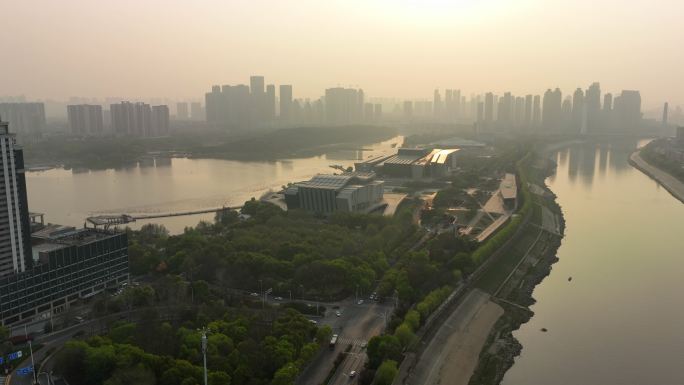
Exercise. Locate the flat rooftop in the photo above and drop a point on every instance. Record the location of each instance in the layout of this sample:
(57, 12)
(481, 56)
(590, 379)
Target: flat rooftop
(68, 235)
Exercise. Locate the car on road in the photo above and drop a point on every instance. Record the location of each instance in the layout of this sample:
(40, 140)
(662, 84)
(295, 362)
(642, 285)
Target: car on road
(337, 313)
(360, 302)
(254, 294)
(313, 322)
(352, 374)
(79, 319)
(278, 298)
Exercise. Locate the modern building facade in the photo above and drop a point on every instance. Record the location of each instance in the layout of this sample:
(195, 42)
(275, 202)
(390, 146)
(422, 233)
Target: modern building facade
(85, 119)
(44, 272)
(325, 194)
(140, 119)
(343, 105)
(15, 232)
(69, 264)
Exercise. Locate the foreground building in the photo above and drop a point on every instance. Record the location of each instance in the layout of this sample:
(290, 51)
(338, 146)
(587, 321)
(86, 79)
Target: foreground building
(325, 194)
(44, 272)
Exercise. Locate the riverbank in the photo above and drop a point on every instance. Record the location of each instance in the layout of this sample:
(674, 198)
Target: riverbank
(673, 185)
(529, 262)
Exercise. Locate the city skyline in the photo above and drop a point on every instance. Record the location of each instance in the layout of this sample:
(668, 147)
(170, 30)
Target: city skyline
(466, 37)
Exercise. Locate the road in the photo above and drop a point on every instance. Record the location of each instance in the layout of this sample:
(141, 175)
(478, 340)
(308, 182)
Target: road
(355, 326)
(452, 355)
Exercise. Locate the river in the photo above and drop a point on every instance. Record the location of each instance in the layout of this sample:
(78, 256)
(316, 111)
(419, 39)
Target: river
(619, 321)
(176, 184)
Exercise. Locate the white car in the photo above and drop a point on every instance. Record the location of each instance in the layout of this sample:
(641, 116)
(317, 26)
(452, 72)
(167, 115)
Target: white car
(360, 302)
(278, 298)
(337, 313)
(352, 374)
(254, 294)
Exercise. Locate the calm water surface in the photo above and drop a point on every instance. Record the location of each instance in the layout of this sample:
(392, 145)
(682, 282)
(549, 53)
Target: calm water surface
(621, 319)
(170, 185)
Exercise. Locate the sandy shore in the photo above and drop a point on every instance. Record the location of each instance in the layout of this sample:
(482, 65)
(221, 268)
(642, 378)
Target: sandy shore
(669, 182)
(452, 355)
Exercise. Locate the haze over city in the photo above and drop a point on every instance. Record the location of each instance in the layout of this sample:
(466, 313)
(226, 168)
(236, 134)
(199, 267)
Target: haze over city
(381, 192)
(389, 48)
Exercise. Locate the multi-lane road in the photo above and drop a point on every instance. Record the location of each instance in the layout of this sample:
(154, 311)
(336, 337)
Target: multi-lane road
(356, 324)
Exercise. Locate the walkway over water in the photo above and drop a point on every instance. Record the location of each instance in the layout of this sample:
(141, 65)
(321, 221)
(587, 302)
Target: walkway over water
(120, 219)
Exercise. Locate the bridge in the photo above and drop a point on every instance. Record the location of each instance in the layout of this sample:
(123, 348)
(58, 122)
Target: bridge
(107, 220)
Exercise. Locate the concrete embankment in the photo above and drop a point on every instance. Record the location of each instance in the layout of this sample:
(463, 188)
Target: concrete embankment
(673, 185)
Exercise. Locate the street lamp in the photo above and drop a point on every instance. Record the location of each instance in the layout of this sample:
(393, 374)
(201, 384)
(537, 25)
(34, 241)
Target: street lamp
(204, 332)
(33, 364)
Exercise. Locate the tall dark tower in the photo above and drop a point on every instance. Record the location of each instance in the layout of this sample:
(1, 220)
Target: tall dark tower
(665, 108)
(15, 229)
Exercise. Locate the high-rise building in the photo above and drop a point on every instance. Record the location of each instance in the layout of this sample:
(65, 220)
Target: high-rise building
(15, 232)
(437, 104)
(519, 110)
(140, 119)
(131, 118)
(378, 112)
(182, 111)
(592, 101)
(408, 109)
(578, 110)
(159, 122)
(552, 110)
(256, 85)
(489, 107)
(536, 110)
(27, 119)
(665, 117)
(196, 111)
(230, 106)
(628, 110)
(270, 102)
(286, 103)
(528, 109)
(85, 119)
(342, 105)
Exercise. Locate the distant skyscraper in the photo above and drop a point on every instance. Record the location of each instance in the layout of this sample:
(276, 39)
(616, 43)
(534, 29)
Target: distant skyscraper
(536, 110)
(437, 104)
(378, 112)
(26, 119)
(628, 110)
(665, 108)
(85, 119)
(578, 110)
(256, 85)
(231, 107)
(182, 111)
(286, 103)
(528, 109)
(196, 111)
(519, 115)
(489, 107)
(270, 102)
(592, 101)
(408, 109)
(342, 105)
(140, 119)
(15, 232)
(552, 111)
(159, 121)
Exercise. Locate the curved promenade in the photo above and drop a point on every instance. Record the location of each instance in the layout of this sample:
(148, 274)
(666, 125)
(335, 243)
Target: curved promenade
(673, 185)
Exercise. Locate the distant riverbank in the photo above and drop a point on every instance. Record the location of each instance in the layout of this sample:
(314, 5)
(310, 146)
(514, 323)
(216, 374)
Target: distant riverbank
(669, 182)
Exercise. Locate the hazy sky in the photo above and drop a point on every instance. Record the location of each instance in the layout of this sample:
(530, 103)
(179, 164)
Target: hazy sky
(145, 48)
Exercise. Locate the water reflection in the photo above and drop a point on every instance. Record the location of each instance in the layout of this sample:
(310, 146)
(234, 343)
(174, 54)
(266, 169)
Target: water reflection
(618, 321)
(161, 184)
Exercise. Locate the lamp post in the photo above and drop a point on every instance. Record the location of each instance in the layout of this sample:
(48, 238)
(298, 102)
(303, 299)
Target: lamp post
(204, 353)
(33, 364)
